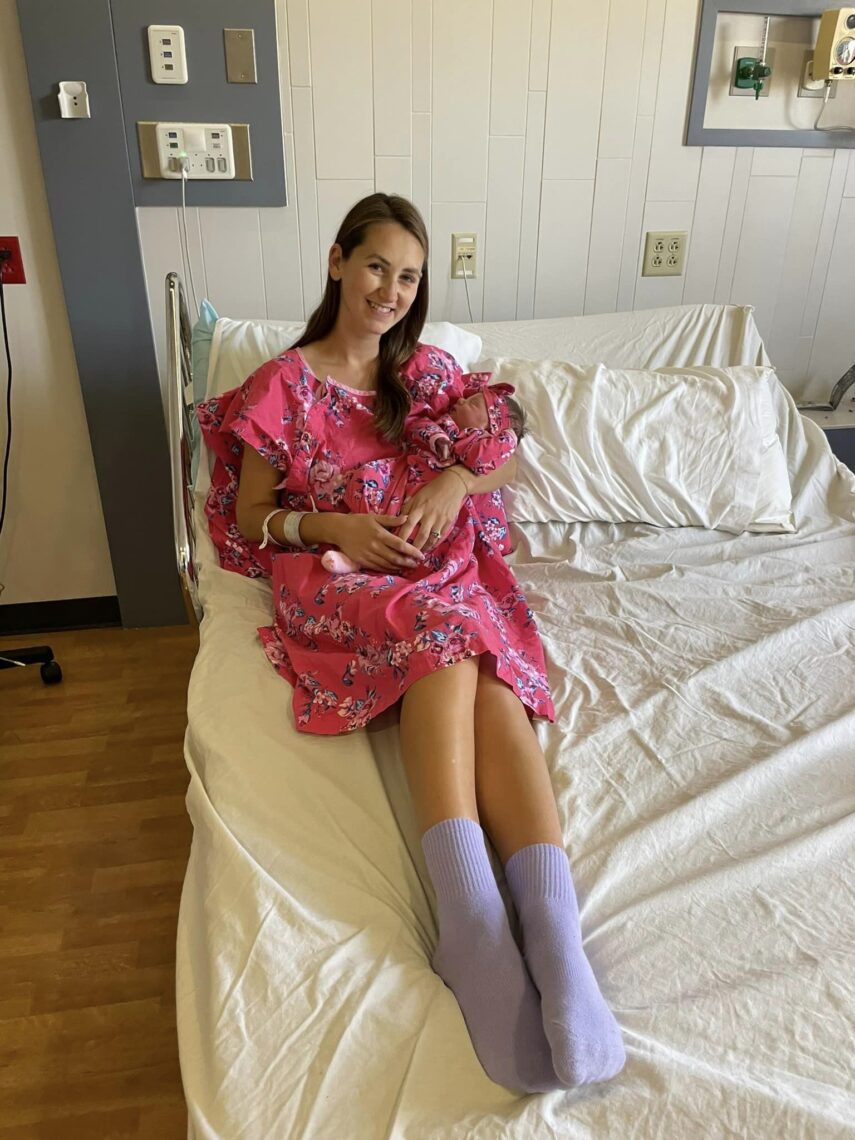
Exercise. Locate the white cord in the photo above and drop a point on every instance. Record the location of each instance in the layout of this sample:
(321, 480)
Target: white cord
(816, 125)
(765, 40)
(185, 247)
(462, 261)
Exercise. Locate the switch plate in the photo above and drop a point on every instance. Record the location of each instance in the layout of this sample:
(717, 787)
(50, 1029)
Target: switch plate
(207, 146)
(665, 254)
(166, 53)
(239, 46)
(12, 268)
(464, 250)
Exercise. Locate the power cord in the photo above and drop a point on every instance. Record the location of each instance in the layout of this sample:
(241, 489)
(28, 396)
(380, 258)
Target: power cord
(463, 258)
(182, 238)
(816, 125)
(4, 256)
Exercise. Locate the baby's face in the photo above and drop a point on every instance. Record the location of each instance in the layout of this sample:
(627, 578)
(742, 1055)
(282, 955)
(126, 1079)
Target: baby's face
(471, 412)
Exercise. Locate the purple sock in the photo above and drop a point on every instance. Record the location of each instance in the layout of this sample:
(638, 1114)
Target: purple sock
(585, 1038)
(480, 963)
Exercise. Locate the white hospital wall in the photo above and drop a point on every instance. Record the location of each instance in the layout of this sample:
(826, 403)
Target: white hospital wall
(495, 116)
(54, 544)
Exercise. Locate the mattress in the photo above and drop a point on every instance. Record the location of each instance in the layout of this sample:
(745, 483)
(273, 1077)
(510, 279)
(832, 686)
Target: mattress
(702, 765)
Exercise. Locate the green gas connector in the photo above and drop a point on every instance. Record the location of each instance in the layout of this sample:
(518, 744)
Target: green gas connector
(751, 72)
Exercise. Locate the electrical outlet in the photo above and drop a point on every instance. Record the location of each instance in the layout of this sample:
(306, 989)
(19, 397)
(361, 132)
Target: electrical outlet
(665, 254)
(12, 268)
(464, 250)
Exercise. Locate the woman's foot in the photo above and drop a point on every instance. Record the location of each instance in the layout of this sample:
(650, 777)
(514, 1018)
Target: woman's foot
(585, 1038)
(480, 963)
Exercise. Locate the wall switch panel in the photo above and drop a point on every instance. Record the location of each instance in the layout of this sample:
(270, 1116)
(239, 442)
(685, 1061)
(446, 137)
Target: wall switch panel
(207, 148)
(166, 53)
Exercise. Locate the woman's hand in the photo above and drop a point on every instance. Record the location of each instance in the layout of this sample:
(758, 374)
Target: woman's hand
(433, 508)
(368, 540)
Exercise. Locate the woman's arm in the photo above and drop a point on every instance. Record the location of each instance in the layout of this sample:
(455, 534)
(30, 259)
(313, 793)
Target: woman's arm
(366, 539)
(257, 497)
(478, 484)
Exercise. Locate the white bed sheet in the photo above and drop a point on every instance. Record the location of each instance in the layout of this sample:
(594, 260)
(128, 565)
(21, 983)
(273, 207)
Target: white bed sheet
(702, 766)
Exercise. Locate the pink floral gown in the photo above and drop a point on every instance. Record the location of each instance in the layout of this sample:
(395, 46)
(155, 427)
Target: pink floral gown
(351, 644)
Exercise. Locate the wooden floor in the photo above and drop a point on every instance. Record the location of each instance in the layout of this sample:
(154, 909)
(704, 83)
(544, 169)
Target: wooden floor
(94, 841)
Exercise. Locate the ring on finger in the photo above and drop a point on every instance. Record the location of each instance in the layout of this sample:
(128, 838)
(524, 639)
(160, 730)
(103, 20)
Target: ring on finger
(435, 533)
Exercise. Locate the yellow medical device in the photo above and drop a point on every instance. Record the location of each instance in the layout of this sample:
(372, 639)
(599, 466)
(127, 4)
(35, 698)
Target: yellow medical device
(834, 54)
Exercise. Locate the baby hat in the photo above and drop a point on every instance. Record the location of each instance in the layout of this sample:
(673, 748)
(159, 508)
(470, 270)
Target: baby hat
(497, 411)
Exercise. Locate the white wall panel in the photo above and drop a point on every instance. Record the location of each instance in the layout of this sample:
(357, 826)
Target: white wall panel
(733, 224)
(849, 185)
(782, 343)
(284, 68)
(705, 240)
(562, 251)
(280, 242)
(234, 262)
(631, 252)
(461, 99)
(390, 34)
(422, 165)
(448, 297)
(757, 276)
(825, 244)
(335, 198)
(674, 167)
(501, 251)
(307, 202)
(393, 175)
(651, 56)
(530, 212)
(298, 41)
(538, 56)
(577, 47)
(776, 160)
(654, 292)
(447, 103)
(340, 42)
(509, 73)
(834, 342)
(620, 89)
(421, 53)
(611, 193)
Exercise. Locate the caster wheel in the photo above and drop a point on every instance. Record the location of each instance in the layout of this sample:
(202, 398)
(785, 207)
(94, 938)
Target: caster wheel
(51, 673)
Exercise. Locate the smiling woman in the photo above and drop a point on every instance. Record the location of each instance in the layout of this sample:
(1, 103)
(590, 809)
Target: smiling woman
(431, 618)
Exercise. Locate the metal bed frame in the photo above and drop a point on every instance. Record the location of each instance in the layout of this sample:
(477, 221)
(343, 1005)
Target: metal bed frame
(181, 419)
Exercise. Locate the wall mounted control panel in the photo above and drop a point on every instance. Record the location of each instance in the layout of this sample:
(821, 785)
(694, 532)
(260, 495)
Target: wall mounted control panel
(206, 148)
(166, 53)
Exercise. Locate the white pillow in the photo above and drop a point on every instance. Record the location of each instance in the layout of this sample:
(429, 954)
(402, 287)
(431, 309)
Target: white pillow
(239, 347)
(691, 446)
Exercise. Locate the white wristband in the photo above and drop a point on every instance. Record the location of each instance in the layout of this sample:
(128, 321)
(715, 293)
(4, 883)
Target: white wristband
(291, 528)
(265, 533)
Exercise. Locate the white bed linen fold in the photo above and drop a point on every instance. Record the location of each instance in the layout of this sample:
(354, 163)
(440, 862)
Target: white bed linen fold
(702, 766)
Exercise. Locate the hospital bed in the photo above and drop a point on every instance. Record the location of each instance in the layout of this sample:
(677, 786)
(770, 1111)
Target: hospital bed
(702, 762)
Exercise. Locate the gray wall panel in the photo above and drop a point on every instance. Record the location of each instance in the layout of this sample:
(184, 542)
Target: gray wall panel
(206, 97)
(92, 210)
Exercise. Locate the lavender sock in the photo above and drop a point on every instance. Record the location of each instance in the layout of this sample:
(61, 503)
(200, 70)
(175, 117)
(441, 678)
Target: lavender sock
(585, 1038)
(480, 963)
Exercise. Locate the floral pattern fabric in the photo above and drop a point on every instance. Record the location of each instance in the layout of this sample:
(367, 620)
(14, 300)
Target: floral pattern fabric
(351, 644)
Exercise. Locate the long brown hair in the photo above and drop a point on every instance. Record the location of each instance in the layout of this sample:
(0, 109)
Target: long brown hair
(396, 345)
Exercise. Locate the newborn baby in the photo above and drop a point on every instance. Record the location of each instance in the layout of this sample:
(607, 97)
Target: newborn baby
(481, 430)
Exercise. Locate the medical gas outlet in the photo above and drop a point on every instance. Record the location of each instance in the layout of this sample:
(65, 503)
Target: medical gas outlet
(205, 148)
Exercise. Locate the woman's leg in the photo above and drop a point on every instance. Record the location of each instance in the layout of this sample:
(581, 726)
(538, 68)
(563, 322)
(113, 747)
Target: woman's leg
(517, 804)
(438, 743)
(476, 955)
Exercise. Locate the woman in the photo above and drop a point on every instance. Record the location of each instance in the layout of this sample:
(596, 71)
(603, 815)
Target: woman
(440, 625)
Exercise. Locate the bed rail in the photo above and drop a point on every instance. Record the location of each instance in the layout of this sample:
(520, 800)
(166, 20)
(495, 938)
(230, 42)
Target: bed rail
(181, 414)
